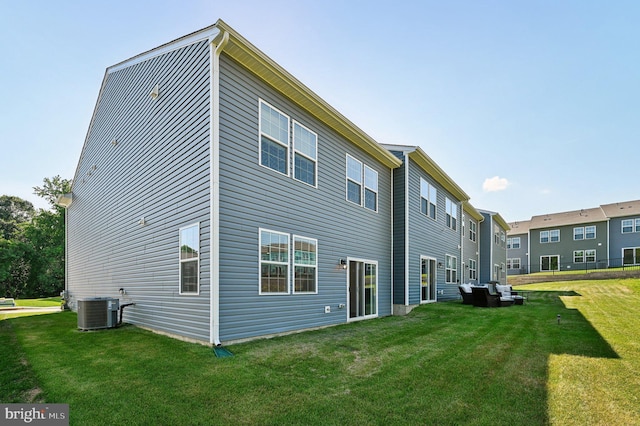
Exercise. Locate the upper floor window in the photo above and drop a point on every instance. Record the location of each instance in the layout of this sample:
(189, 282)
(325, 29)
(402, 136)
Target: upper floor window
(473, 229)
(552, 236)
(362, 179)
(189, 259)
(513, 243)
(274, 139)
(586, 232)
(630, 225)
(452, 213)
(428, 198)
(305, 144)
(370, 188)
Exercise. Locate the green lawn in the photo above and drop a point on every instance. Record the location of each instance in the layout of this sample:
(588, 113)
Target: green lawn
(444, 364)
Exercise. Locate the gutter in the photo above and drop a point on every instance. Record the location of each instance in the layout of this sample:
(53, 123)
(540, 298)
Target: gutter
(217, 44)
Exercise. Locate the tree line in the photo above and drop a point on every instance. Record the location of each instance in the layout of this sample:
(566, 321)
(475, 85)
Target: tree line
(32, 243)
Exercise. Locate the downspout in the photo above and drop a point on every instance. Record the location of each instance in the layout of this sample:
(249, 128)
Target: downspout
(406, 228)
(217, 43)
(392, 245)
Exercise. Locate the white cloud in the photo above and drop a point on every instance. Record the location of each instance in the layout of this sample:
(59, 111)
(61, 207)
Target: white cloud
(494, 184)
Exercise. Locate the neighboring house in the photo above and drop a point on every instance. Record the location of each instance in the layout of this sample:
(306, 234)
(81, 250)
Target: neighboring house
(226, 199)
(518, 248)
(624, 232)
(568, 241)
(493, 247)
(427, 230)
(471, 220)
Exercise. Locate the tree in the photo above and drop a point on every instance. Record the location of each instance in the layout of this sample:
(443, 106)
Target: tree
(13, 211)
(52, 189)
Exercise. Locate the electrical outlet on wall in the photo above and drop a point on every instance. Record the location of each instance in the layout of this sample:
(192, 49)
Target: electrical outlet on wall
(327, 309)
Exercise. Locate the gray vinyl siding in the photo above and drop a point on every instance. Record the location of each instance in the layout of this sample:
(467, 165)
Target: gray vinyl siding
(519, 253)
(471, 251)
(399, 218)
(492, 253)
(430, 238)
(158, 170)
(618, 241)
(254, 197)
(566, 246)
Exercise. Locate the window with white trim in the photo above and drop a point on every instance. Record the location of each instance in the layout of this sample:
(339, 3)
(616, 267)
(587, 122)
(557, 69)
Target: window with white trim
(552, 236)
(274, 139)
(354, 180)
(274, 262)
(473, 269)
(452, 213)
(513, 243)
(578, 256)
(428, 199)
(370, 188)
(578, 233)
(305, 147)
(189, 245)
(451, 269)
(584, 233)
(590, 255)
(473, 230)
(513, 263)
(305, 262)
(630, 225)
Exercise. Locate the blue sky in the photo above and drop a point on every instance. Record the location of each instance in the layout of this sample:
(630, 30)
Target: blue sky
(530, 106)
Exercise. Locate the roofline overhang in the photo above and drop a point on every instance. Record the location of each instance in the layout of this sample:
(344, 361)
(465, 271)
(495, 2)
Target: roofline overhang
(467, 207)
(427, 164)
(249, 56)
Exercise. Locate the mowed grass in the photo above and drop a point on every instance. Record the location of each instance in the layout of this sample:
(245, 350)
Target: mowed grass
(443, 364)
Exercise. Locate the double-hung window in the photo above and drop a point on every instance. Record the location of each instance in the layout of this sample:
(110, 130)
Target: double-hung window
(473, 269)
(451, 269)
(513, 243)
(452, 213)
(428, 199)
(630, 225)
(513, 263)
(473, 229)
(305, 145)
(354, 180)
(590, 232)
(590, 255)
(552, 236)
(274, 139)
(305, 265)
(578, 256)
(370, 188)
(274, 262)
(189, 243)
(578, 233)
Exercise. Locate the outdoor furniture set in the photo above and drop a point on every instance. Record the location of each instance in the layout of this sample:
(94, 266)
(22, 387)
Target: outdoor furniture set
(481, 296)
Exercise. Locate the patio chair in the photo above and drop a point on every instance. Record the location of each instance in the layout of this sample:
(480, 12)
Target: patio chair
(507, 291)
(467, 295)
(484, 299)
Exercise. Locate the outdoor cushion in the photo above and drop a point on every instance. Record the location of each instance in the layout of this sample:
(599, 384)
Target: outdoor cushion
(504, 290)
(466, 288)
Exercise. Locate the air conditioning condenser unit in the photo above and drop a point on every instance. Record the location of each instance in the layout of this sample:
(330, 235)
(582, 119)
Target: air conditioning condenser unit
(97, 313)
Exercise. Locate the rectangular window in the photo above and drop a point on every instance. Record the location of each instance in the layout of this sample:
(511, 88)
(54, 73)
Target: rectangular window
(589, 232)
(554, 236)
(274, 139)
(473, 270)
(305, 145)
(513, 243)
(305, 265)
(544, 236)
(473, 230)
(451, 269)
(550, 263)
(428, 198)
(513, 263)
(370, 188)
(578, 234)
(452, 213)
(627, 226)
(189, 259)
(638, 225)
(590, 255)
(274, 262)
(354, 180)
(578, 256)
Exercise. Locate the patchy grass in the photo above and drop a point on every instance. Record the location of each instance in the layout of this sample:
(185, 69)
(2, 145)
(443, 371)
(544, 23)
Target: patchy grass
(445, 364)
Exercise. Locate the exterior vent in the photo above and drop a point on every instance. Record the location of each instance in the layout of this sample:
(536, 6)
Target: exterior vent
(98, 312)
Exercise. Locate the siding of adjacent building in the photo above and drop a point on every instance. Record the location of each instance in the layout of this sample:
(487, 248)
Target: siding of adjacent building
(156, 169)
(471, 250)
(254, 197)
(493, 251)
